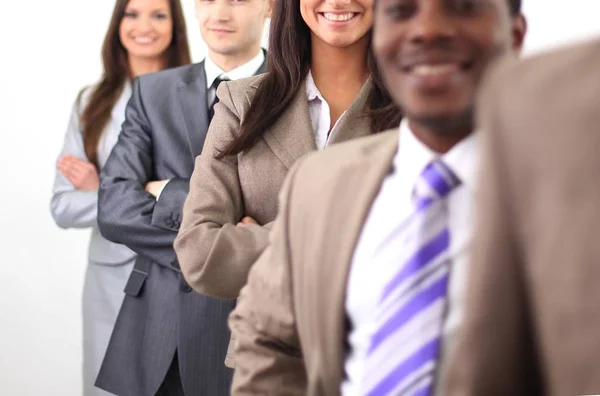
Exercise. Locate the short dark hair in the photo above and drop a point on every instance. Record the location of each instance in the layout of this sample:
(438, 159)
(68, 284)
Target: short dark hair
(515, 6)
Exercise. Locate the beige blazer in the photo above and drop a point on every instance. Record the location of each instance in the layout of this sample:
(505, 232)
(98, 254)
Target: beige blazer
(533, 325)
(214, 254)
(290, 321)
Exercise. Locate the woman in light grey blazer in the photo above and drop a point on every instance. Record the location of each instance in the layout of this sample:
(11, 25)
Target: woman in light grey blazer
(143, 36)
(322, 88)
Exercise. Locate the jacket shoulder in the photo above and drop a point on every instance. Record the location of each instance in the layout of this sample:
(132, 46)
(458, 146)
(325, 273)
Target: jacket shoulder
(241, 91)
(166, 78)
(317, 173)
(322, 180)
(237, 95)
(349, 153)
(243, 85)
(546, 75)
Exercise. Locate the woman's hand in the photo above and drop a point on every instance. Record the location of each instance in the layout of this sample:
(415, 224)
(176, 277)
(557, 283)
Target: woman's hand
(82, 174)
(247, 220)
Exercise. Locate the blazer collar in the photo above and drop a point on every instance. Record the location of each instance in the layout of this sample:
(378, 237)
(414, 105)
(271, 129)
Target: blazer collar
(292, 136)
(193, 105)
(362, 179)
(355, 122)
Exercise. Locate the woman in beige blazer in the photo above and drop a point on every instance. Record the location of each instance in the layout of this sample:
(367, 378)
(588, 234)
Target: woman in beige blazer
(322, 88)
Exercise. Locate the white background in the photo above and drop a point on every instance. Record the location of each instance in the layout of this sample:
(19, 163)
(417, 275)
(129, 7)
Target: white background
(50, 49)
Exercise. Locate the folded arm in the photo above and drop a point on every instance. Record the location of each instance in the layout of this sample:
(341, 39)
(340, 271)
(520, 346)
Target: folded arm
(267, 356)
(127, 213)
(215, 255)
(70, 207)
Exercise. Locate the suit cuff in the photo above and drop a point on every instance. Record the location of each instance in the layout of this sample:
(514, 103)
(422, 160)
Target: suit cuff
(161, 190)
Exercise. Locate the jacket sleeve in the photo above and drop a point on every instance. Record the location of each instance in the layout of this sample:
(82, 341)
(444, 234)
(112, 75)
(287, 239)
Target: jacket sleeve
(267, 352)
(127, 213)
(72, 208)
(215, 255)
(495, 352)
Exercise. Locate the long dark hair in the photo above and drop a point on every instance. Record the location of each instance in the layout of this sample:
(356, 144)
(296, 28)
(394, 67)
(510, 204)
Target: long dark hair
(288, 62)
(102, 99)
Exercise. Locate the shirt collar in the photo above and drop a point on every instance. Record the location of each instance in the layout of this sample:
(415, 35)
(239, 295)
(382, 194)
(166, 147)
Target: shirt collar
(248, 69)
(463, 159)
(413, 156)
(312, 92)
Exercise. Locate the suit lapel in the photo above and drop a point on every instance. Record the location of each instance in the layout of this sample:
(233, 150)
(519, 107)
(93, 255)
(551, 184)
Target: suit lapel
(363, 180)
(354, 123)
(291, 136)
(194, 108)
(192, 94)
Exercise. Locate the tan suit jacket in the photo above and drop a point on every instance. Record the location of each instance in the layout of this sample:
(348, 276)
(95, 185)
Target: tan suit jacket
(214, 254)
(533, 311)
(290, 321)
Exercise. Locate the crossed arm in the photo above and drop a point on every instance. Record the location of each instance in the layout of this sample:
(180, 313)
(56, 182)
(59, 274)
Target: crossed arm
(267, 355)
(217, 245)
(127, 212)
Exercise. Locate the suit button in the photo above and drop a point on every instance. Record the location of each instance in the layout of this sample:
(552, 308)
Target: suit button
(175, 264)
(185, 287)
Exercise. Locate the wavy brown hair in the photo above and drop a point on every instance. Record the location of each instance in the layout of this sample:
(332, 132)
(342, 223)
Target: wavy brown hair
(288, 62)
(103, 97)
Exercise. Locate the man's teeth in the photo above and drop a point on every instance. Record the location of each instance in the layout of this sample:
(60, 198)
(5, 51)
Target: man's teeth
(432, 70)
(144, 40)
(338, 17)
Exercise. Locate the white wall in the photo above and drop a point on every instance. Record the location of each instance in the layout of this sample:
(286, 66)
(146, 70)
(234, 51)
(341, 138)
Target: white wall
(555, 23)
(50, 50)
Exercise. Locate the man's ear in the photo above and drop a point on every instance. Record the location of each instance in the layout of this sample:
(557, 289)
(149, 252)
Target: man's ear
(519, 31)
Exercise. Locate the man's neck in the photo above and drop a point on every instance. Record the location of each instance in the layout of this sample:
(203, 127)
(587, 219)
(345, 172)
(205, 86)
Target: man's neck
(139, 65)
(228, 62)
(438, 140)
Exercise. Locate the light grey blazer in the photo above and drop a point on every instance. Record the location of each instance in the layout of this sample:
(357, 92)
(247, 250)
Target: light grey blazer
(109, 264)
(72, 208)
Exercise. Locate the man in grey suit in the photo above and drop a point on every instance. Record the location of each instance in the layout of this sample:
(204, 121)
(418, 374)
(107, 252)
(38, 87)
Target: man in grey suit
(167, 339)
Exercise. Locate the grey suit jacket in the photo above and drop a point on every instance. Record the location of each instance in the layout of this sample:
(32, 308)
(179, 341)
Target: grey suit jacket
(165, 126)
(72, 208)
(215, 254)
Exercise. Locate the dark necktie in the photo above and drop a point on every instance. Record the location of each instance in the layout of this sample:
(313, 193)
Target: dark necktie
(215, 85)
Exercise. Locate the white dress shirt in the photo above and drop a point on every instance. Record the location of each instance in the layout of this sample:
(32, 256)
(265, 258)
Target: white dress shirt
(374, 263)
(320, 114)
(213, 71)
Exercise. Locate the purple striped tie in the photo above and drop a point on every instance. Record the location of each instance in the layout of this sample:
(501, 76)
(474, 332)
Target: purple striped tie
(403, 353)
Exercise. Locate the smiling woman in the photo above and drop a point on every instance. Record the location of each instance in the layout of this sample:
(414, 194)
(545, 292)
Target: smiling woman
(336, 25)
(322, 88)
(143, 36)
(146, 30)
(124, 58)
